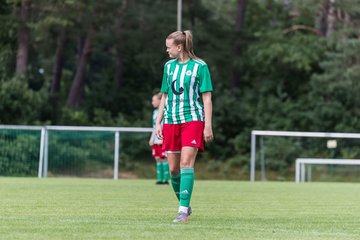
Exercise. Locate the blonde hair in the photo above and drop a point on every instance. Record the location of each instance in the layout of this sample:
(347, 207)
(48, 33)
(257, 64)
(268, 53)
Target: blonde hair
(185, 39)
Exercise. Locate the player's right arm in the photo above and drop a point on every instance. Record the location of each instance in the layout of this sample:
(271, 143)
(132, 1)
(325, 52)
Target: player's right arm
(158, 128)
(164, 90)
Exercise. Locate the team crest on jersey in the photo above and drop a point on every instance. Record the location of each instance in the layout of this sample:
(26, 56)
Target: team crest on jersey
(188, 73)
(181, 89)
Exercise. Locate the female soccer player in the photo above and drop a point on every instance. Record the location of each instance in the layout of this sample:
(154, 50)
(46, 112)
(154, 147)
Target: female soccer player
(162, 167)
(186, 107)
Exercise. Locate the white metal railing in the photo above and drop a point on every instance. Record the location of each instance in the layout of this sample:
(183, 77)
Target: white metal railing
(43, 152)
(21, 127)
(301, 162)
(255, 133)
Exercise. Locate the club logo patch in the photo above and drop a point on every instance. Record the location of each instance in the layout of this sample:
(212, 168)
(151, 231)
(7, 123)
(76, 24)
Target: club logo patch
(188, 73)
(181, 89)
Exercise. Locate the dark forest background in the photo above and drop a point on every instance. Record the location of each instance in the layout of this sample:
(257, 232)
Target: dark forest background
(275, 65)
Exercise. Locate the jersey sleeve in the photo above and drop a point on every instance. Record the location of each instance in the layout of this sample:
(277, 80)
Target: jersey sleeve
(205, 79)
(165, 84)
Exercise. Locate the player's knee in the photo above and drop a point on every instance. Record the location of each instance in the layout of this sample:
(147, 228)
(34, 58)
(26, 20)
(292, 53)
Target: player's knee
(185, 164)
(174, 170)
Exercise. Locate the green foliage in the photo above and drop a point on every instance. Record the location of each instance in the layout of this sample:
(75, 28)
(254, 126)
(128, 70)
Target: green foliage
(335, 91)
(74, 118)
(281, 152)
(19, 153)
(79, 153)
(19, 104)
(8, 35)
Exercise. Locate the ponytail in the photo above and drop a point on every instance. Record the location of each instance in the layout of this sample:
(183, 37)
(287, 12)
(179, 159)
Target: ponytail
(185, 39)
(188, 46)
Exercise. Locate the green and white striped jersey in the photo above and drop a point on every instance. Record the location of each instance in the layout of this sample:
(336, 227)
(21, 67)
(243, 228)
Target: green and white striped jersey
(184, 83)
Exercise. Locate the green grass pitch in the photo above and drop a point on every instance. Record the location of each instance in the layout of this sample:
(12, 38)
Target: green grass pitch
(64, 208)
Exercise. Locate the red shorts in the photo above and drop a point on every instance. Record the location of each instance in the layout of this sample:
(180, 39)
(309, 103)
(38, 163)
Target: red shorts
(189, 134)
(157, 151)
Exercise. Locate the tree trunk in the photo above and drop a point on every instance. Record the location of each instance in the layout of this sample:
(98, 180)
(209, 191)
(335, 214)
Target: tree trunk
(58, 64)
(331, 19)
(239, 27)
(77, 86)
(240, 15)
(323, 18)
(23, 39)
(119, 46)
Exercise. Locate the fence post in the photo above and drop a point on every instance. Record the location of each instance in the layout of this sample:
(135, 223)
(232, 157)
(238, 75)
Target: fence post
(116, 155)
(302, 172)
(46, 153)
(297, 171)
(41, 152)
(253, 150)
(262, 158)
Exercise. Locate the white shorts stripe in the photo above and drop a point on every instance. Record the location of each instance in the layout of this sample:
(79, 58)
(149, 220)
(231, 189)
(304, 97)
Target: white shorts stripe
(173, 152)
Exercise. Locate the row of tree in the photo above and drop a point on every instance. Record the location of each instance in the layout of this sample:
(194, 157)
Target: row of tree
(275, 64)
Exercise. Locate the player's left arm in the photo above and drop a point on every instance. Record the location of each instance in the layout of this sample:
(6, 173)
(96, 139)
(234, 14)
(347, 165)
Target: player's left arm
(208, 133)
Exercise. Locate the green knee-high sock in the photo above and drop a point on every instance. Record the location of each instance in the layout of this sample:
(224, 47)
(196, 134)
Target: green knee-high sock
(159, 171)
(175, 182)
(186, 186)
(165, 171)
